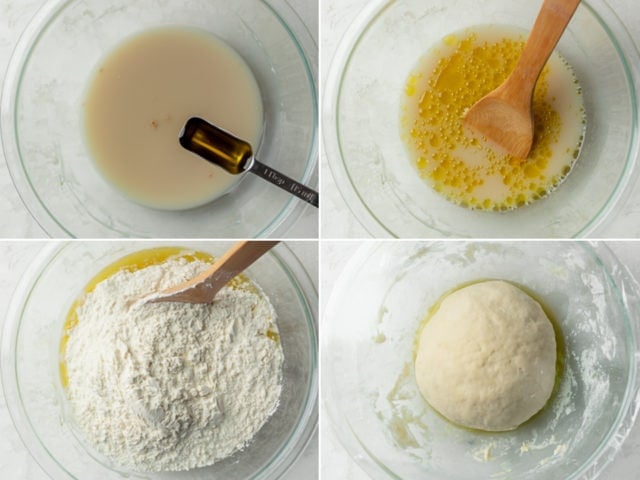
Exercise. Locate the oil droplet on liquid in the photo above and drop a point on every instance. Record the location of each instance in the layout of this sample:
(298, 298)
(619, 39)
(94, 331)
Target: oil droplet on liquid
(450, 79)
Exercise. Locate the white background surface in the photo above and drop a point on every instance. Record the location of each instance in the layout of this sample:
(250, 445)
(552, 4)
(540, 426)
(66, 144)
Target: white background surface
(336, 219)
(335, 463)
(15, 461)
(15, 219)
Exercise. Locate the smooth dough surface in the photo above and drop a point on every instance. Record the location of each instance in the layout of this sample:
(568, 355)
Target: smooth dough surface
(487, 357)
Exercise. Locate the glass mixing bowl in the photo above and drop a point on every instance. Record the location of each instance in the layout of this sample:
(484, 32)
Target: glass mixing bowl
(42, 122)
(368, 385)
(31, 379)
(370, 163)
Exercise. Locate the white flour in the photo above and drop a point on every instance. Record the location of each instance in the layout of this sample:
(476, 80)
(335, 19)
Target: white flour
(171, 386)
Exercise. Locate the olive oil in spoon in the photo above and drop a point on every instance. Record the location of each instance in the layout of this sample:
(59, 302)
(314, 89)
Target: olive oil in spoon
(236, 156)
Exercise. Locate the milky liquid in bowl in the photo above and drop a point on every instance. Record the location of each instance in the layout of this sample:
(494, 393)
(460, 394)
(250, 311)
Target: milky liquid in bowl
(43, 122)
(368, 158)
(139, 99)
(462, 68)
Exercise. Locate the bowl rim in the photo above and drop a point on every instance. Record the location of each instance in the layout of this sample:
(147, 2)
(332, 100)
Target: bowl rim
(625, 287)
(291, 210)
(281, 460)
(628, 54)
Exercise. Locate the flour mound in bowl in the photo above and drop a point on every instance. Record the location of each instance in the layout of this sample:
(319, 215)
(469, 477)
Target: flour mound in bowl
(487, 357)
(171, 386)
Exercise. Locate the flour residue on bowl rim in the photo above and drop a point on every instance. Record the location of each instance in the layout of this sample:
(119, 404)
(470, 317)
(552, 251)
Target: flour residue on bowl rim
(408, 420)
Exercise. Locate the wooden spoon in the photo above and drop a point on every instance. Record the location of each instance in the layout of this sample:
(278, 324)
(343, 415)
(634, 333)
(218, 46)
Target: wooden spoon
(505, 116)
(203, 288)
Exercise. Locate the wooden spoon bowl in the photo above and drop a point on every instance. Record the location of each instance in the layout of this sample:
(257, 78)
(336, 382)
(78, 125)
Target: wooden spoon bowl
(203, 288)
(505, 116)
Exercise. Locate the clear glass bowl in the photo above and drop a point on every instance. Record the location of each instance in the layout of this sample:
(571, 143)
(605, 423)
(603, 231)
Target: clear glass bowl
(368, 386)
(42, 131)
(31, 380)
(369, 161)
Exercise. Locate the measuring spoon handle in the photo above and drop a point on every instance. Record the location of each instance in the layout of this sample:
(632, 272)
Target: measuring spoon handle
(286, 183)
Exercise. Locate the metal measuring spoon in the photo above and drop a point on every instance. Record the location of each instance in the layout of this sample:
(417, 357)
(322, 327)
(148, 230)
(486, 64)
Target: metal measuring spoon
(235, 156)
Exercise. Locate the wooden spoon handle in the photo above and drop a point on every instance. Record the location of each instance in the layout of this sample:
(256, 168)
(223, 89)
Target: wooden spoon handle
(551, 22)
(203, 288)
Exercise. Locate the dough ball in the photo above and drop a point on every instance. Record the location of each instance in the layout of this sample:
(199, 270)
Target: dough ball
(487, 357)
